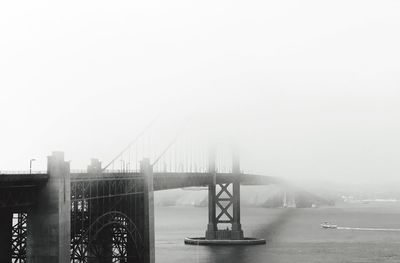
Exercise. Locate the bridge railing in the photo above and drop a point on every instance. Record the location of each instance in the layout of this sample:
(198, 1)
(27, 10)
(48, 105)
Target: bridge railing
(119, 171)
(8, 172)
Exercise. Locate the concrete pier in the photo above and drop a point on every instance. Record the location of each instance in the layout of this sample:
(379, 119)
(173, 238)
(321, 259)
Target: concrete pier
(201, 241)
(147, 170)
(49, 220)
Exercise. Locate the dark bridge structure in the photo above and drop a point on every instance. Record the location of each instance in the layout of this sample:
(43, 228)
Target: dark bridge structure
(106, 216)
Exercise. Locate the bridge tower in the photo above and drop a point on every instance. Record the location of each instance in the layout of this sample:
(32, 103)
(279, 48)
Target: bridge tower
(49, 220)
(224, 197)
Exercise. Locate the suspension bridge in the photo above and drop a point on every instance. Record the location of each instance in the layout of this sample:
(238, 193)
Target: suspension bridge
(106, 214)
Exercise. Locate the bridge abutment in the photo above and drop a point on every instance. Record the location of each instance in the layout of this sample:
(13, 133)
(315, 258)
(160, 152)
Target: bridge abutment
(49, 220)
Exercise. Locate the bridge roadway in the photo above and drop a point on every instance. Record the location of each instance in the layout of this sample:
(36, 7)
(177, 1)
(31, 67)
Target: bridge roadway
(20, 190)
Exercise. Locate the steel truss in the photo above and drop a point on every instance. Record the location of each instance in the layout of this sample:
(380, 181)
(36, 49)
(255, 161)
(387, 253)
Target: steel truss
(107, 220)
(18, 238)
(224, 202)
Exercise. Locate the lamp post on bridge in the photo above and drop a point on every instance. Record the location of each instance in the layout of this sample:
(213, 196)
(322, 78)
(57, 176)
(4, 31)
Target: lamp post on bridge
(30, 165)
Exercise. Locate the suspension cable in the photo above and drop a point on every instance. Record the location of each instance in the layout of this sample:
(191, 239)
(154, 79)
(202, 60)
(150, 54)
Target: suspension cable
(132, 142)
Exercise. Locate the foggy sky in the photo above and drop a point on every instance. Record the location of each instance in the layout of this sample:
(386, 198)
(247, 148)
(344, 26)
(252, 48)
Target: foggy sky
(310, 89)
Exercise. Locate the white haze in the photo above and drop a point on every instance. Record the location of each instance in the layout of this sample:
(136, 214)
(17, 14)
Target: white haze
(310, 89)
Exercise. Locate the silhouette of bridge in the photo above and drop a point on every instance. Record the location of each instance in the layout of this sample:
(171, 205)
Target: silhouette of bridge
(103, 215)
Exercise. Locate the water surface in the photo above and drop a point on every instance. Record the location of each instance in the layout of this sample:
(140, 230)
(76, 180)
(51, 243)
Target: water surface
(293, 235)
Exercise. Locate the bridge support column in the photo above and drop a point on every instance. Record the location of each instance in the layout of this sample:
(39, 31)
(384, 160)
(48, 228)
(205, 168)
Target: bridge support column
(49, 223)
(5, 235)
(212, 222)
(227, 199)
(224, 199)
(237, 232)
(147, 170)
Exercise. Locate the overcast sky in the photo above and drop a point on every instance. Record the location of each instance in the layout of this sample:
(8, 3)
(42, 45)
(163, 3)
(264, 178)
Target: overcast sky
(310, 89)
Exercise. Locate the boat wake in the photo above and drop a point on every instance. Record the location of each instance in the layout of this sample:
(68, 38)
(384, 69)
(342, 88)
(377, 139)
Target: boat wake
(368, 229)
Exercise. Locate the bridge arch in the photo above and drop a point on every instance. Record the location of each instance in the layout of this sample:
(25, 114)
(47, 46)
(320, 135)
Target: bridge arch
(124, 233)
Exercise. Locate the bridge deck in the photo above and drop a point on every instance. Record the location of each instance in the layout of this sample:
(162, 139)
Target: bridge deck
(162, 181)
(22, 178)
(166, 180)
(20, 190)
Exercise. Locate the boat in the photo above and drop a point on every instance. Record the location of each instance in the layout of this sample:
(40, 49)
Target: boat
(328, 225)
